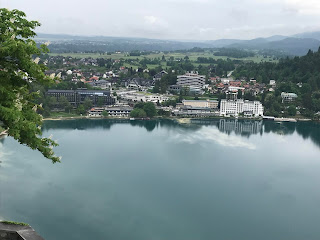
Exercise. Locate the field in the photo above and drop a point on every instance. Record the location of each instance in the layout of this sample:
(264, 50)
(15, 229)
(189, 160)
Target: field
(192, 56)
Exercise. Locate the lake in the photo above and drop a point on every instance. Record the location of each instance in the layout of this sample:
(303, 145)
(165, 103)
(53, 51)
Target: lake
(160, 180)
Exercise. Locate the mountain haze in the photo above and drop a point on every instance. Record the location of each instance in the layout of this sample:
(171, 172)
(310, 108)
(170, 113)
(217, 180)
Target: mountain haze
(297, 45)
(314, 35)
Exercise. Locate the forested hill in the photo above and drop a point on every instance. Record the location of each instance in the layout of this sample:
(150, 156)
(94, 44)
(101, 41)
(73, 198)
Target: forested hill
(300, 75)
(304, 69)
(292, 46)
(296, 46)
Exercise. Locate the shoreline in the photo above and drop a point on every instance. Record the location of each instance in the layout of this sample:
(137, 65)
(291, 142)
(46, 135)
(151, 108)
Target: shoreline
(179, 119)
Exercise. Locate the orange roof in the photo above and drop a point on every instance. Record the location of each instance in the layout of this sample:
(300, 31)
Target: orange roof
(235, 84)
(94, 78)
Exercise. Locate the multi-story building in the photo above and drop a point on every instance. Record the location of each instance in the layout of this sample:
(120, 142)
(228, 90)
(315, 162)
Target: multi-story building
(175, 88)
(213, 104)
(240, 106)
(115, 111)
(193, 111)
(159, 75)
(288, 97)
(103, 84)
(76, 97)
(193, 81)
(232, 95)
(137, 97)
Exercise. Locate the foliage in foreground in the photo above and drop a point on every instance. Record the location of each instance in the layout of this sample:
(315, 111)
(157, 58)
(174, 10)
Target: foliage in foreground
(18, 71)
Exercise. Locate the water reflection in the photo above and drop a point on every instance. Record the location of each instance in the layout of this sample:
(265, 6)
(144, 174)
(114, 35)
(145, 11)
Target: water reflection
(308, 130)
(144, 186)
(82, 124)
(244, 128)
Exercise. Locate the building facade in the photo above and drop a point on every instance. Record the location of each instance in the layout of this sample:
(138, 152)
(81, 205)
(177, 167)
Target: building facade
(193, 111)
(159, 75)
(115, 111)
(240, 106)
(213, 104)
(193, 81)
(76, 97)
(137, 97)
(288, 97)
(175, 88)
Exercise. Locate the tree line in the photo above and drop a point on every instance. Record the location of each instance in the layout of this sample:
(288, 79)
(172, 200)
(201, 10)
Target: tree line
(300, 75)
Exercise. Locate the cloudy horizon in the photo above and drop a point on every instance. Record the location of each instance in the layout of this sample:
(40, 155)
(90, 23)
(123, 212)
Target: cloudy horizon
(173, 19)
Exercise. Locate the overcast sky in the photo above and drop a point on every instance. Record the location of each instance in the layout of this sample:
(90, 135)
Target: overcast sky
(173, 19)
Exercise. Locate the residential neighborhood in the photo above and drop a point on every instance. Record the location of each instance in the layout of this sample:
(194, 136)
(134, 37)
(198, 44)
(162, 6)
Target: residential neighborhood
(108, 85)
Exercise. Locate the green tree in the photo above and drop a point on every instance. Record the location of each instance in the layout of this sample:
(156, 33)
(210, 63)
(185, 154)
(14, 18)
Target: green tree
(64, 104)
(100, 102)
(292, 110)
(171, 102)
(52, 102)
(68, 108)
(105, 114)
(138, 113)
(46, 111)
(161, 112)
(87, 103)
(18, 110)
(156, 88)
(139, 105)
(81, 109)
(150, 109)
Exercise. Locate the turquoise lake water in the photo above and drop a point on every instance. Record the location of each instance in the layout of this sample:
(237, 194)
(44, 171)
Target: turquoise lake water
(154, 180)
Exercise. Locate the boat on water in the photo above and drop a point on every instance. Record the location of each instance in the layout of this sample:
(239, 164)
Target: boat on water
(131, 119)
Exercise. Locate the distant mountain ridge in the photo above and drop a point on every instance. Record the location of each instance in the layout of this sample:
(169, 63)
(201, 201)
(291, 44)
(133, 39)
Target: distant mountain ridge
(293, 46)
(314, 35)
(298, 44)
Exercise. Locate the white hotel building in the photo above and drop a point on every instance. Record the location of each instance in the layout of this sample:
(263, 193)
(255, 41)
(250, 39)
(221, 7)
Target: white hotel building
(236, 107)
(192, 80)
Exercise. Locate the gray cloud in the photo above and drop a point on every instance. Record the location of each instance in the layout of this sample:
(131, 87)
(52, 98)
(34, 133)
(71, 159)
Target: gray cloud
(173, 19)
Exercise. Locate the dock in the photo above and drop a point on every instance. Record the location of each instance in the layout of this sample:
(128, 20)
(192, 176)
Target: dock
(285, 120)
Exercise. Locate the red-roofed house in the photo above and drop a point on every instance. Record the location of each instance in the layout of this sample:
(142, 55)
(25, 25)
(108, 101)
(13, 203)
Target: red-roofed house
(94, 78)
